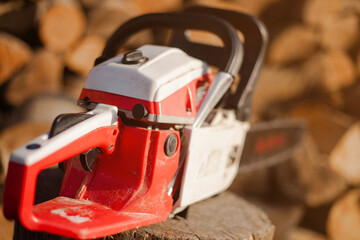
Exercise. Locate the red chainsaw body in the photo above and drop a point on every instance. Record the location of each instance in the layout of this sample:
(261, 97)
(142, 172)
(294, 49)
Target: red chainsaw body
(154, 138)
(126, 189)
(181, 103)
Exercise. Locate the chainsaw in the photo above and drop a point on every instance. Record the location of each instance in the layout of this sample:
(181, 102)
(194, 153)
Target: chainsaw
(161, 131)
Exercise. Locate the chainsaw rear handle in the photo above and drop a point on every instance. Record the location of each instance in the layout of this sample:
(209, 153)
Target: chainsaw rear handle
(233, 49)
(99, 130)
(256, 38)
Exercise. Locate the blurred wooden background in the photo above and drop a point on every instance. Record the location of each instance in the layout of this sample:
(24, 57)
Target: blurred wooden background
(312, 70)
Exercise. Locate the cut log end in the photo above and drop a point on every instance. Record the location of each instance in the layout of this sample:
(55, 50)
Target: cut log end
(14, 54)
(344, 217)
(294, 44)
(81, 58)
(43, 74)
(344, 159)
(340, 32)
(332, 70)
(61, 26)
(308, 177)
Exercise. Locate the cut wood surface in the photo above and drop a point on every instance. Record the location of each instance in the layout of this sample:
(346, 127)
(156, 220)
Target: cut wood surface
(150, 6)
(295, 43)
(326, 124)
(332, 70)
(283, 214)
(62, 25)
(345, 158)
(73, 85)
(340, 32)
(42, 75)
(222, 217)
(110, 15)
(277, 84)
(254, 7)
(308, 177)
(344, 217)
(14, 53)
(44, 108)
(316, 11)
(81, 57)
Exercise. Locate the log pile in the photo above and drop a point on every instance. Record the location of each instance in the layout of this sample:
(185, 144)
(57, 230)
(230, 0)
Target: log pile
(311, 72)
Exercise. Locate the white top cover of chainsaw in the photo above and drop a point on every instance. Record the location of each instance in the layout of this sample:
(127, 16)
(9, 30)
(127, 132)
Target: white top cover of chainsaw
(166, 71)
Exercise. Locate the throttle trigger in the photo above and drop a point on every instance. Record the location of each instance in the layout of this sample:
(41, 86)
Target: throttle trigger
(87, 159)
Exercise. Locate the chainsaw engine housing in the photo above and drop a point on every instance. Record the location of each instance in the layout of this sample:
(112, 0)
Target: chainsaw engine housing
(160, 87)
(159, 133)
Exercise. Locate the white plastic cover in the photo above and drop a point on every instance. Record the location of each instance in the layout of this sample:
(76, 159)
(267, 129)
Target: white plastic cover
(166, 71)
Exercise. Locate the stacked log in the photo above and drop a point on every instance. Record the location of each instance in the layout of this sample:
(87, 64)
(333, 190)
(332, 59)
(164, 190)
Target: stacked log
(14, 55)
(321, 47)
(42, 74)
(344, 217)
(311, 72)
(61, 25)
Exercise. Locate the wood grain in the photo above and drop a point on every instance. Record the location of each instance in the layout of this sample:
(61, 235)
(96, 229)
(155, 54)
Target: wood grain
(14, 54)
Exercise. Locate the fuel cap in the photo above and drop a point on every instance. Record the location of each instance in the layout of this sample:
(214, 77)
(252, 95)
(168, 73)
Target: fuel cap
(133, 57)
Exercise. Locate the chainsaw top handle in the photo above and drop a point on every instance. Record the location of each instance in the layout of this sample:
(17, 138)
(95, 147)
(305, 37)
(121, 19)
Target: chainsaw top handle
(233, 49)
(255, 43)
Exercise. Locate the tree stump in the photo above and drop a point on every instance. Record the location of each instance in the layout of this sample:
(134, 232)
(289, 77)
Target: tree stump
(226, 216)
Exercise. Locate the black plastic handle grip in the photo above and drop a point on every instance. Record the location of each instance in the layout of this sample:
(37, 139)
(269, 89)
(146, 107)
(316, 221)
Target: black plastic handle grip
(233, 49)
(256, 39)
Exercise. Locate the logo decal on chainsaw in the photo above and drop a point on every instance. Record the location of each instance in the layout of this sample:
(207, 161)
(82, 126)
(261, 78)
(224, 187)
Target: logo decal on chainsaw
(265, 144)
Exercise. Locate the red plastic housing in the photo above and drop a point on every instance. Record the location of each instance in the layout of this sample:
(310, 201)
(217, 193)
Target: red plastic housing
(125, 190)
(181, 103)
